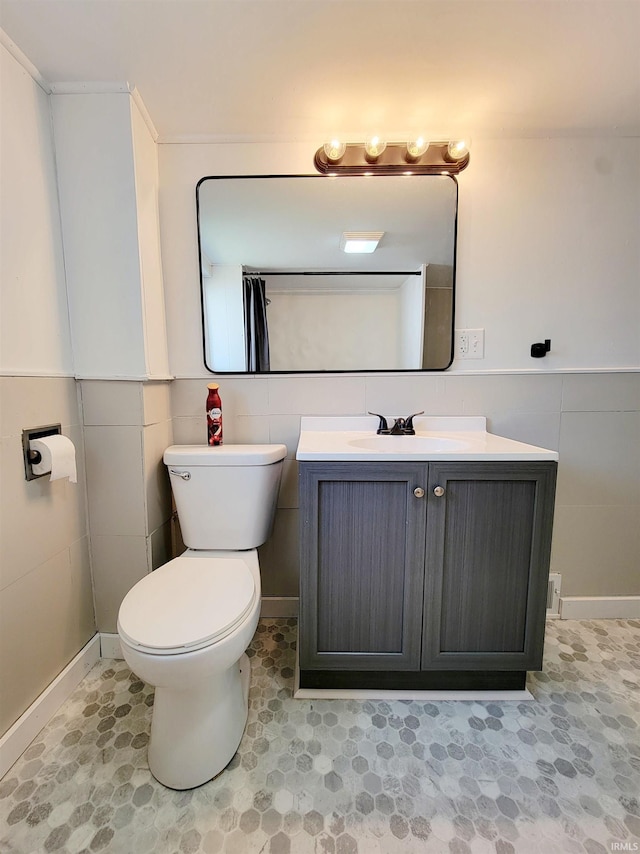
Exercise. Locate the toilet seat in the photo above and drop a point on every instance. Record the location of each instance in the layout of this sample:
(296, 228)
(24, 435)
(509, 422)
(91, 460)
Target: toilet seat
(187, 604)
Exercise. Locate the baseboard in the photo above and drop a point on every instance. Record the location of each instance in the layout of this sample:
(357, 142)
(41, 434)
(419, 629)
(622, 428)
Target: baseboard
(279, 606)
(600, 607)
(110, 645)
(16, 740)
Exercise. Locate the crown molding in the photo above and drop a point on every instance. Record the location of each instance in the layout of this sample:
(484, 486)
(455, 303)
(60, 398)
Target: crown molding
(24, 61)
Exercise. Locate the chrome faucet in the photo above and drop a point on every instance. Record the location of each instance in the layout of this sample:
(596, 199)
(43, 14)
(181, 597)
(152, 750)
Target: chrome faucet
(401, 426)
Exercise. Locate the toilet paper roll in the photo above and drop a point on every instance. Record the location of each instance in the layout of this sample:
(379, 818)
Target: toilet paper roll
(58, 457)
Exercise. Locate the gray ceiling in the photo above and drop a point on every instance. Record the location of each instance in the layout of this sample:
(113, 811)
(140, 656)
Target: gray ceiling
(305, 69)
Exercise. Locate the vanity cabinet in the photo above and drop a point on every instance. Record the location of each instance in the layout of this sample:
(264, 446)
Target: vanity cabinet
(423, 574)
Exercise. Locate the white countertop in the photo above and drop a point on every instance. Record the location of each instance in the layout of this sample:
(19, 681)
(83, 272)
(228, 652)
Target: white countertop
(353, 438)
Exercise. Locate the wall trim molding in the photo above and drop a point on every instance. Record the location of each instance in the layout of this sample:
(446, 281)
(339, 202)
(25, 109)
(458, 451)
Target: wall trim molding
(142, 378)
(25, 62)
(113, 87)
(599, 607)
(450, 372)
(18, 737)
(47, 374)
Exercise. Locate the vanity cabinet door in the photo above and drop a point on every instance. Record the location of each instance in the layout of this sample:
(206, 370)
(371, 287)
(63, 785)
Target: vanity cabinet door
(362, 565)
(487, 565)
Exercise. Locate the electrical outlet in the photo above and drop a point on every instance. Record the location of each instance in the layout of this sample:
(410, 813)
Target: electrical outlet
(462, 344)
(469, 343)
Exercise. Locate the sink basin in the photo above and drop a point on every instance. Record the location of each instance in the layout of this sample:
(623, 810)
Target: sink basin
(353, 438)
(402, 444)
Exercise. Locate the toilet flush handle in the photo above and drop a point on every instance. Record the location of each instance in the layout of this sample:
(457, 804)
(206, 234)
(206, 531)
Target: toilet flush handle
(185, 475)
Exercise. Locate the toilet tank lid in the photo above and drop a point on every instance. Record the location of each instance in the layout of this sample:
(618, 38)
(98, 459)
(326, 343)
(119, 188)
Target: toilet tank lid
(224, 455)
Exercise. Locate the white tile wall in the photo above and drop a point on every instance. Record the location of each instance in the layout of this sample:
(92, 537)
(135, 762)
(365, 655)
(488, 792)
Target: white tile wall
(156, 399)
(156, 437)
(128, 426)
(601, 393)
(118, 563)
(111, 403)
(46, 601)
(600, 458)
(598, 549)
(115, 488)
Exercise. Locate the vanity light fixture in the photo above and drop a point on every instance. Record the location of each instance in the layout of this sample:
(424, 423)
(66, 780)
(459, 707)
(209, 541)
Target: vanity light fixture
(417, 157)
(416, 148)
(360, 242)
(334, 150)
(458, 149)
(373, 148)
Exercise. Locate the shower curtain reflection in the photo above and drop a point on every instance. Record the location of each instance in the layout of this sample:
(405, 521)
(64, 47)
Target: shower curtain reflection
(256, 327)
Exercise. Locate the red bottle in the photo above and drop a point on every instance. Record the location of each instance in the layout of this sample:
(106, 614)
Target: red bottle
(214, 415)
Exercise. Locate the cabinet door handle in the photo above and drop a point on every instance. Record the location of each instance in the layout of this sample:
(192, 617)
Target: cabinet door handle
(418, 492)
(438, 491)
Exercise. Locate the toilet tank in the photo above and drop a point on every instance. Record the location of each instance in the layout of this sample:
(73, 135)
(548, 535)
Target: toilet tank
(225, 495)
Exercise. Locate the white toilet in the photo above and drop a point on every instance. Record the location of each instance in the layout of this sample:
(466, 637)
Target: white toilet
(185, 627)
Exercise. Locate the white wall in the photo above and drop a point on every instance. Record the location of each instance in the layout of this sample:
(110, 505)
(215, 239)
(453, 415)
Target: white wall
(34, 322)
(46, 600)
(97, 196)
(547, 247)
(145, 162)
(107, 171)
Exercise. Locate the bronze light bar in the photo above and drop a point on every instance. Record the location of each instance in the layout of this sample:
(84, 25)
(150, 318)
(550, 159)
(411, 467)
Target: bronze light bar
(394, 160)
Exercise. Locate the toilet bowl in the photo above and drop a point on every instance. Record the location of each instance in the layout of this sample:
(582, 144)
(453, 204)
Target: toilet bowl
(184, 628)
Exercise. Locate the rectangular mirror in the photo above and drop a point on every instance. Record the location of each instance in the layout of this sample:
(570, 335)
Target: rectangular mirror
(280, 294)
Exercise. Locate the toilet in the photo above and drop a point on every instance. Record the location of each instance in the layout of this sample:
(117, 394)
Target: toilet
(184, 628)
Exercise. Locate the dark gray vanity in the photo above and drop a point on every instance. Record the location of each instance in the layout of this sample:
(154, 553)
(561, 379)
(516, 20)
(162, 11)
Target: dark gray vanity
(423, 573)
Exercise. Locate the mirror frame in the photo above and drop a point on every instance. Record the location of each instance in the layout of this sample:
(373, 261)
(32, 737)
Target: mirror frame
(321, 371)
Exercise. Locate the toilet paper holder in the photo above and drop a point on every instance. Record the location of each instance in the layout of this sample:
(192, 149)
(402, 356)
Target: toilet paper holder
(32, 458)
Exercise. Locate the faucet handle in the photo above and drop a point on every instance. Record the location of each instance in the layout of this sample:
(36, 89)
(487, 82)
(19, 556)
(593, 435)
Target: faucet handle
(383, 422)
(408, 423)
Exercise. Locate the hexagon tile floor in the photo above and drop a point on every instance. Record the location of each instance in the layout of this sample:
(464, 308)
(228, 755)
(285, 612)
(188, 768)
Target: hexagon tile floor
(559, 774)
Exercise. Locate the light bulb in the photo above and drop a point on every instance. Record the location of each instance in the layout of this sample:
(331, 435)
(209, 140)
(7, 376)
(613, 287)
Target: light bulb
(458, 149)
(373, 148)
(334, 150)
(416, 148)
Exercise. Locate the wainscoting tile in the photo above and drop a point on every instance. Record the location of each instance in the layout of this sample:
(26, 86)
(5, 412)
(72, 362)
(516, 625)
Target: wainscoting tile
(112, 402)
(535, 428)
(115, 480)
(156, 397)
(601, 392)
(32, 612)
(36, 401)
(118, 563)
(39, 517)
(156, 438)
(288, 495)
(402, 394)
(240, 396)
(592, 543)
(485, 395)
(316, 395)
(280, 558)
(593, 467)
(285, 429)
